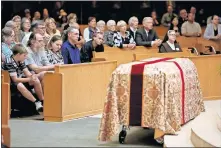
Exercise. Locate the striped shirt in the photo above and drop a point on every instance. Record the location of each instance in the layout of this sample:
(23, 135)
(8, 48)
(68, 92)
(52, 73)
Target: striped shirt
(14, 68)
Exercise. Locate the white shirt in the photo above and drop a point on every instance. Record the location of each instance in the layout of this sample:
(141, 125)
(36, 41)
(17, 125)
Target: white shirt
(133, 30)
(172, 46)
(147, 36)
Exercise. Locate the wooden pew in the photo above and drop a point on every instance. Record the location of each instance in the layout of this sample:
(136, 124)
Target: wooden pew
(121, 55)
(208, 68)
(138, 56)
(202, 42)
(76, 90)
(124, 55)
(5, 109)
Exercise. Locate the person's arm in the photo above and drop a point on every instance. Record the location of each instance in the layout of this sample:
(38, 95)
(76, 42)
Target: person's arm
(199, 30)
(38, 69)
(13, 74)
(207, 33)
(44, 59)
(86, 34)
(27, 72)
(65, 55)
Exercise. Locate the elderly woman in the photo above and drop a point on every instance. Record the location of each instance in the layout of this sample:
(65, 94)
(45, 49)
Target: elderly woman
(91, 29)
(25, 25)
(133, 26)
(53, 51)
(101, 26)
(213, 30)
(108, 35)
(169, 43)
(8, 36)
(123, 39)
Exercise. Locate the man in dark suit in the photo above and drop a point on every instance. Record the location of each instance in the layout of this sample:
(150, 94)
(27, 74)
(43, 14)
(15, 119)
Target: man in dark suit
(146, 36)
(133, 25)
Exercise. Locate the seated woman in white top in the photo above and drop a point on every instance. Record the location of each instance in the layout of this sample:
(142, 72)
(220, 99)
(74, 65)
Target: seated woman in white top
(51, 28)
(213, 30)
(169, 43)
(123, 38)
(91, 29)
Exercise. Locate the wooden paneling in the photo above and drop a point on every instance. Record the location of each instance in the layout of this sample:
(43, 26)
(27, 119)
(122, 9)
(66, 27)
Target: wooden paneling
(76, 90)
(122, 55)
(208, 68)
(5, 99)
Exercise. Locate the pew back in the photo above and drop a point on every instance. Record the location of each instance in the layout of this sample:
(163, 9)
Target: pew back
(76, 90)
(5, 99)
(208, 68)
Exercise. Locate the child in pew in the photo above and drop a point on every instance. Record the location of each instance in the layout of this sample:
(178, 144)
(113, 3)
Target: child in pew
(21, 78)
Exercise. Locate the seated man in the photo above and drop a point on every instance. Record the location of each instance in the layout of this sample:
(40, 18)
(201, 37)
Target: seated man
(169, 43)
(37, 60)
(146, 36)
(69, 50)
(166, 18)
(96, 44)
(190, 28)
(22, 80)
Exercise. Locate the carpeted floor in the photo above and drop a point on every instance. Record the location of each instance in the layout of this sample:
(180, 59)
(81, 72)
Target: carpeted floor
(33, 132)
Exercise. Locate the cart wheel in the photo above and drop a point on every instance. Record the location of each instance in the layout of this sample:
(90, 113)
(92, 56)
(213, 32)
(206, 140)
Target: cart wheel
(122, 136)
(160, 140)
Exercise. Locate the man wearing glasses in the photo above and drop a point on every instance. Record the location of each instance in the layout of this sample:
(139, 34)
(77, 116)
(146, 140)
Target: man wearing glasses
(37, 26)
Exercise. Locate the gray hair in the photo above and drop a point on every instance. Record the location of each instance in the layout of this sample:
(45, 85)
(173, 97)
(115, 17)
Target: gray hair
(101, 23)
(10, 24)
(36, 23)
(121, 23)
(65, 33)
(110, 23)
(23, 21)
(132, 19)
(6, 32)
(147, 18)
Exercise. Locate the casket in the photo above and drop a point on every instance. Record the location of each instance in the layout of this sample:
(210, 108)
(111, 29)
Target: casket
(159, 93)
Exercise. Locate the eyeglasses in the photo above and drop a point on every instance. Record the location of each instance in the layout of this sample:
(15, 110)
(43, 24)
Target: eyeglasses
(172, 34)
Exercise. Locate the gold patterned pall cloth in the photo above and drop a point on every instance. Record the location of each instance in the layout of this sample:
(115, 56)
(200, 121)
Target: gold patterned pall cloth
(164, 95)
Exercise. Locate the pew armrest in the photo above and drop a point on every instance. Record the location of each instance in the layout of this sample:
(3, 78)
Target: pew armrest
(193, 50)
(97, 59)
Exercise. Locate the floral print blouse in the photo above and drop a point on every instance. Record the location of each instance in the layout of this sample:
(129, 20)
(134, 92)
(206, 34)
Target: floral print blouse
(54, 57)
(119, 40)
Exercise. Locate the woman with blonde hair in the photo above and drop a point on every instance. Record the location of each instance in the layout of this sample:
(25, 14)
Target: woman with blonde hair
(122, 38)
(53, 51)
(51, 29)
